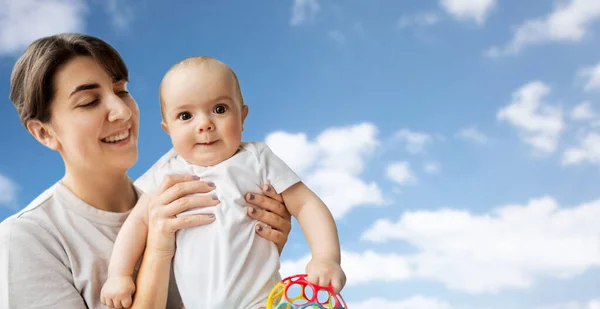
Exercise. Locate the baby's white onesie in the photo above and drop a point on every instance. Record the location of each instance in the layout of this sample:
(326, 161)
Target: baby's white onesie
(225, 264)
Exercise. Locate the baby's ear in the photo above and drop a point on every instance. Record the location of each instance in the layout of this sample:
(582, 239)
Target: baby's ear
(165, 127)
(244, 112)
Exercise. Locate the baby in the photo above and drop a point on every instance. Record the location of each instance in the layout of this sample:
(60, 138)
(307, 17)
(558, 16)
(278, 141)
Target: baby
(223, 265)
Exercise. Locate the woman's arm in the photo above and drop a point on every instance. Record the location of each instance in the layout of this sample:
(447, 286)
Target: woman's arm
(171, 198)
(273, 212)
(32, 269)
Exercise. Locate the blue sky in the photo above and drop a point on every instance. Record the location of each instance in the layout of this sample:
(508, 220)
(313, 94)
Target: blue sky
(456, 142)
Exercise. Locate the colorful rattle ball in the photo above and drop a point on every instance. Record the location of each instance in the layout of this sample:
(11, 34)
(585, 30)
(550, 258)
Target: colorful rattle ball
(297, 292)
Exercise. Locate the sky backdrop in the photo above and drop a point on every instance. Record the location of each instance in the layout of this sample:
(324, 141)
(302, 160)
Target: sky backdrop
(457, 142)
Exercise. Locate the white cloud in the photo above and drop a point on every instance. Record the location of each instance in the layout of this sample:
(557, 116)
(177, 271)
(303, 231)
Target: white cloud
(568, 22)
(337, 36)
(400, 173)
(469, 10)
(415, 302)
(304, 11)
(294, 149)
(23, 21)
(121, 14)
(415, 141)
(583, 111)
(346, 148)
(432, 167)
(8, 191)
(360, 268)
(420, 19)
(342, 191)
(592, 304)
(587, 151)
(331, 165)
(508, 247)
(471, 133)
(539, 124)
(592, 74)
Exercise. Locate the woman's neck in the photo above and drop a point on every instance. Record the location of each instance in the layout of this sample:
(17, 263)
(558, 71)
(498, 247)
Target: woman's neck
(114, 193)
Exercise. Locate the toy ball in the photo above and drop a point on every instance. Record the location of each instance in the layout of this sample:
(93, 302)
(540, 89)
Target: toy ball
(297, 292)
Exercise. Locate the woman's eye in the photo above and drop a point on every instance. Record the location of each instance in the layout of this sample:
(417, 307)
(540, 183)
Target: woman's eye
(220, 109)
(123, 92)
(89, 104)
(184, 116)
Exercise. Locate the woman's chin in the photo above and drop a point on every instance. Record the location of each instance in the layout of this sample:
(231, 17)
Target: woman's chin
(120, 163)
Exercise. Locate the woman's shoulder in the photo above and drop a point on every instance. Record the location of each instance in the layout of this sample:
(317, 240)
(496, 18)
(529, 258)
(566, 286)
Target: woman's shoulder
(34, 232)
(31, 218)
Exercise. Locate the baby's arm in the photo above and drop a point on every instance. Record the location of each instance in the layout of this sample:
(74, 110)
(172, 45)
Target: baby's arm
(320, 231)
(127, 250)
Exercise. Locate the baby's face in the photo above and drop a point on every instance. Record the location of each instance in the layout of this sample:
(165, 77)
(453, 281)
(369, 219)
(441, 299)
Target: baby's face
(203, 112)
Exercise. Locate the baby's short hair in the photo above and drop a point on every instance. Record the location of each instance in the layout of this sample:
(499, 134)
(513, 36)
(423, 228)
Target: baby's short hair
(196, 60)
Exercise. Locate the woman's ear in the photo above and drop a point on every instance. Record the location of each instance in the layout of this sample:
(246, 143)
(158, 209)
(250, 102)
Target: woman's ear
(43, 133)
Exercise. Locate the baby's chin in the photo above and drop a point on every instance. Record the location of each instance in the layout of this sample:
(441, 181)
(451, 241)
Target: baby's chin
(207, 158)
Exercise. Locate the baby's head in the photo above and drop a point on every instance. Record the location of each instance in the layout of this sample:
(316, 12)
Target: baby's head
(202, 110)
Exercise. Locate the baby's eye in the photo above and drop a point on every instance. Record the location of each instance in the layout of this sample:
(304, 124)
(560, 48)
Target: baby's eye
(220, 109)
(184, 116)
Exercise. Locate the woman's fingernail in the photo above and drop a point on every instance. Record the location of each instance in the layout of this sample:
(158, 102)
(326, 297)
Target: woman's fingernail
(259, 228)
(195, 177)
(211, 216)
(268, 188)
(210, 184)
(251, 196)
(215, 198)
(253, 210)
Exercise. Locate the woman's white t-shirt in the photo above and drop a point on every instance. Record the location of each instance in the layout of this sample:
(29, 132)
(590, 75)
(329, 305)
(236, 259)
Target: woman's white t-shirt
(55, 253)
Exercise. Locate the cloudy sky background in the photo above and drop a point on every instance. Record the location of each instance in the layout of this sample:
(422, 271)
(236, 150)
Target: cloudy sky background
(457, 142)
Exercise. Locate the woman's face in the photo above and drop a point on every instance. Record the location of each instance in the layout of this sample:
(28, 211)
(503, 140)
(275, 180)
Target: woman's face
(94, 119)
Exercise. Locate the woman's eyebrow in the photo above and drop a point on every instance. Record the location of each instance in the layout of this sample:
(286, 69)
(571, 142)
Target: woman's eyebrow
(84, 87)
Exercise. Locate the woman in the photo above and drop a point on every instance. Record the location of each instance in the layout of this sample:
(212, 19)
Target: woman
(70, 92)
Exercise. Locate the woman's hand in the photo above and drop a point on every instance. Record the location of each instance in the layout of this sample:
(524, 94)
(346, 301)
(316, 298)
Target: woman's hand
(272, 212)
(170, 199)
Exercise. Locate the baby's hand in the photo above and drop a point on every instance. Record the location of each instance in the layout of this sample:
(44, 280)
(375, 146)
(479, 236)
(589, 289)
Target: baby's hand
(323, 272)
(117, 292)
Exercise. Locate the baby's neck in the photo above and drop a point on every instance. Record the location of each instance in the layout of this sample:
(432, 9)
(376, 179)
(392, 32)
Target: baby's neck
(114, 193)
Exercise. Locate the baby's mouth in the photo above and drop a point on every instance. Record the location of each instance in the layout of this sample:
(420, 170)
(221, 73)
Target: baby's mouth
(207, 143)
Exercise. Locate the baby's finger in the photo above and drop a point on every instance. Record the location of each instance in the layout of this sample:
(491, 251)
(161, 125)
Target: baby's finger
(312, 278)
(109, 303)
(337, 285)
(117, 304)
(127, 302)
(102, 300)
(324, 281)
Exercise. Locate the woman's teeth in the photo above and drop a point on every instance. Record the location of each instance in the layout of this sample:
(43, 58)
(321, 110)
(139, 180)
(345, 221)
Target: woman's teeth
(116, 138)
